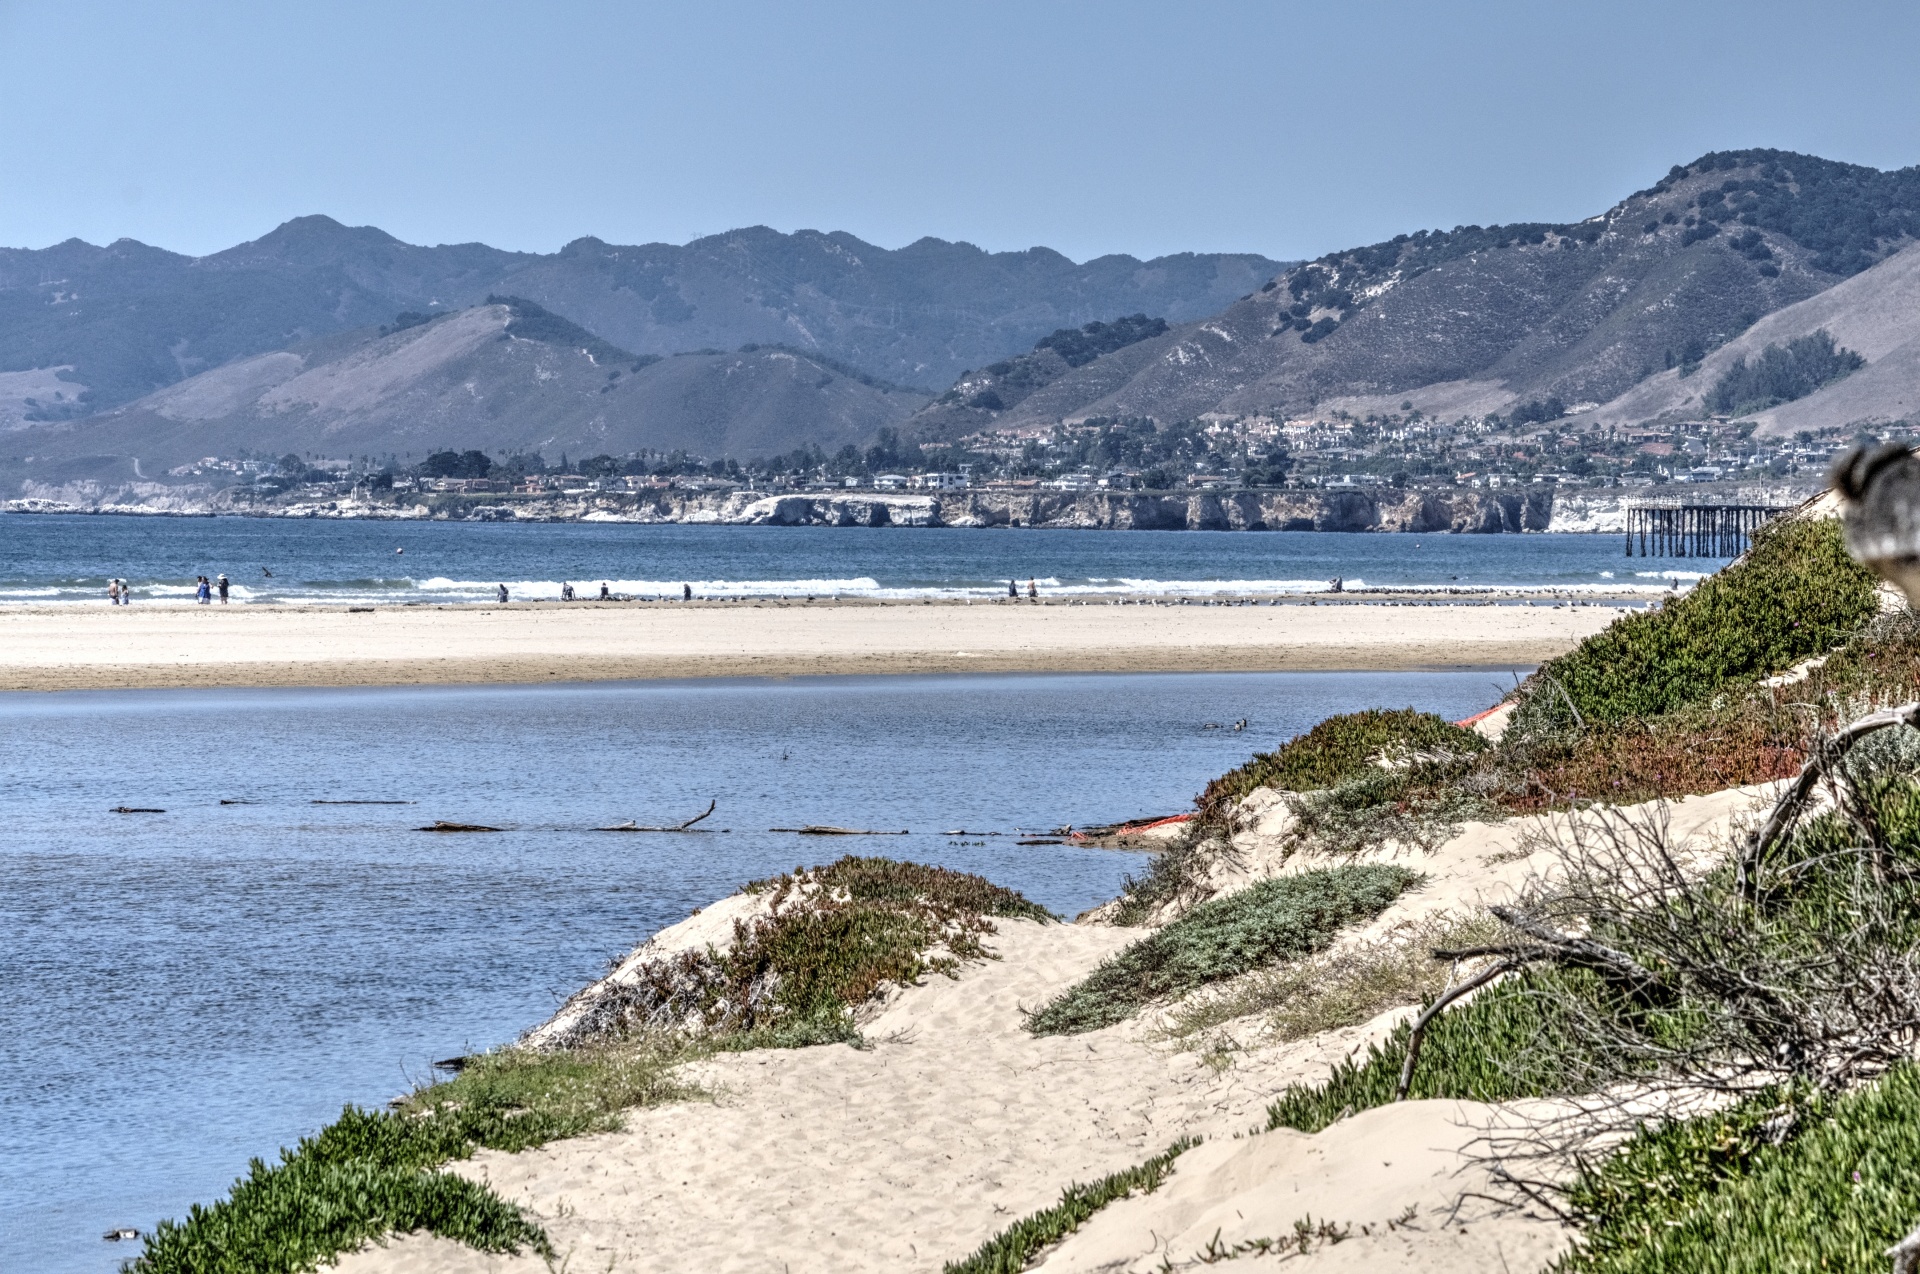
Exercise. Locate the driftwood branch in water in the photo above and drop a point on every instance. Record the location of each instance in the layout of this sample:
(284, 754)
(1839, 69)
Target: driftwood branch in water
(815, 829)
(133, 809)
(681, 827)
(443, 826)
(358, 802)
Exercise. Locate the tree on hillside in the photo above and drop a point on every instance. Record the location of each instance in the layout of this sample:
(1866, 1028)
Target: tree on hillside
(456, 464)
(889, 453)
(1782, 373)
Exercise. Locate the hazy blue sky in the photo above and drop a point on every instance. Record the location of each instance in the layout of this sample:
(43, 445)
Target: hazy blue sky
(1289, 129)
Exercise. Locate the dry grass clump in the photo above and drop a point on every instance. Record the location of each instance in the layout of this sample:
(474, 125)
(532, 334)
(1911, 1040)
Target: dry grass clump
(1335, 989)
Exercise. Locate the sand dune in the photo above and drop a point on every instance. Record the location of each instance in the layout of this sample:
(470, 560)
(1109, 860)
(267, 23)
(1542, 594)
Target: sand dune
(956, 1122)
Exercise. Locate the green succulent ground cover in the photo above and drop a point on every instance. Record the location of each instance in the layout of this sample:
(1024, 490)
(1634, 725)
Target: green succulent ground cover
(859, 924)
(1497, 1047)
(1729, 1194)
(1797, 1179)
(1797, 594)
(1342, 748)
(1011, 1250)
(372, 1173)
(1280, 918)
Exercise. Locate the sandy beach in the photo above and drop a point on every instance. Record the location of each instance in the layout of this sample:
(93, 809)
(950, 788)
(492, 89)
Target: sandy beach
(73, 648)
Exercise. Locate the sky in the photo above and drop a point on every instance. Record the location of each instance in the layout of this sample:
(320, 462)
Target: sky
(1091, 128)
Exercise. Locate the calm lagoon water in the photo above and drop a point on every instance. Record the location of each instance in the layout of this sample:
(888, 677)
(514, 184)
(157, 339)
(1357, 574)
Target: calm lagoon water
(51, 558)
(186, 990)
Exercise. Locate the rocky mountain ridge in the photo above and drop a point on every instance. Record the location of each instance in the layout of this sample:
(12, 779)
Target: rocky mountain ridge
(117, 322)
(1481, 319)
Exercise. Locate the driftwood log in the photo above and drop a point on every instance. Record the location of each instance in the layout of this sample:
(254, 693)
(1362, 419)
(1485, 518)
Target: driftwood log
(687, 826)
(817, 829)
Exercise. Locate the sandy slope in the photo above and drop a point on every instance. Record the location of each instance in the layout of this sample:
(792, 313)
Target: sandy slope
(956, 1122)
(59, 648)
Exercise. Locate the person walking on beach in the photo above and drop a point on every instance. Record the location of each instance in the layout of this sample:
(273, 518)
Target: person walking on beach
(1033, 593)
(204, 593)
(126, 593)
(566, 591)
(113, 592)
(686, 593)
(503, 591)
(223, 588)
(1013, 590)
(604, 595)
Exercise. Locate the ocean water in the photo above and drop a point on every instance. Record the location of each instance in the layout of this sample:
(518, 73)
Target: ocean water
(69, 558)
(188, 989)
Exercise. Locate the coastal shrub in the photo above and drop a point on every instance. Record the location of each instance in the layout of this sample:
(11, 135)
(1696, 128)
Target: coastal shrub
(1690, 982)
(1177, 875)
(1782, 374)
(1332, 990)
(1278, 918)
(830, 940)
(1377, 808)
(1014, 1248)
(890, 882)
(1707, 747)
(838, 934)
(1742, 734)
(1341, 748)
(1796, 594)
(1780, 1182)
(372, 1173)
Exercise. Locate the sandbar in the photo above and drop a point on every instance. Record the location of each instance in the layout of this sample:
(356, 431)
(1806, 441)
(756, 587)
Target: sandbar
(155, 646)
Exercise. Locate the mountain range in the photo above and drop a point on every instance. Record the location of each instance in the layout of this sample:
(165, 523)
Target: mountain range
(128, 319)
(335, 340)
(1479, 319)
(506, 375)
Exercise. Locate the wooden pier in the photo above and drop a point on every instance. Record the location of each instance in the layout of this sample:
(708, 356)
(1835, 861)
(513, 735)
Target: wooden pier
(1695, 530)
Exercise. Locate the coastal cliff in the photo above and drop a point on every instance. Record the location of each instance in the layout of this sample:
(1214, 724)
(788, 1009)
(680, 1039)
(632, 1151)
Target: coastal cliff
(1429, 511)
(1425, 511)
